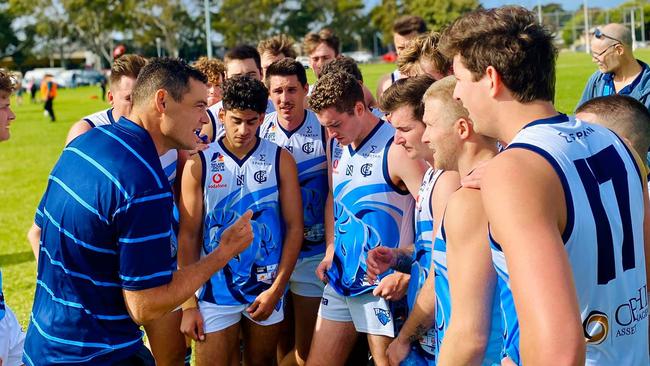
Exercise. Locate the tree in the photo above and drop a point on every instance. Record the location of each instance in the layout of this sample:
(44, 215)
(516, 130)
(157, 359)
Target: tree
(247, 22)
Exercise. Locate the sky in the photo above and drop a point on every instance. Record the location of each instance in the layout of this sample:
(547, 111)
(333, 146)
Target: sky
(567, 4)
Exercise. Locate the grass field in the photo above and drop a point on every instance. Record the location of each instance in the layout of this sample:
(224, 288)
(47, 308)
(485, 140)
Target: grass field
(27, 158)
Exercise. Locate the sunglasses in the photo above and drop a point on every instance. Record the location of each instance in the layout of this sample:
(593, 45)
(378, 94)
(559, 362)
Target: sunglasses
(600, 35)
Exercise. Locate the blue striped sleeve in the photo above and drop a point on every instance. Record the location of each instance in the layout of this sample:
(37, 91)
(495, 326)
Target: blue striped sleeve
(38, 217)
(144, 242)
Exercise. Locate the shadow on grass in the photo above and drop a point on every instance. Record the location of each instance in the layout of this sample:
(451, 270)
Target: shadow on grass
(16, 258)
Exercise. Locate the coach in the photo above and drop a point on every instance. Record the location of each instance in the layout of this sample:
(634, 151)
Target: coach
(618, 71)
(105, 262)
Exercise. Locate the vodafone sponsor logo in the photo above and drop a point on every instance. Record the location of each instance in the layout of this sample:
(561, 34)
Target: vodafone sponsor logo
(217, 178)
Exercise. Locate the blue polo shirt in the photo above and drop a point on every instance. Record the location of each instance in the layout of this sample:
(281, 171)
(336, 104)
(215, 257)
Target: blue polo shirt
(106, 225)
(600, 84)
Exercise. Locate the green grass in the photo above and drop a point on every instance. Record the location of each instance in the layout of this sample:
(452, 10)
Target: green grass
(27, 158)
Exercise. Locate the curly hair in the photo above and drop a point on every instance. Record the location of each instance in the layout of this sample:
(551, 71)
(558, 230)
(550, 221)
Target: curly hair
(511, 40)
(245, 93)
(211, 68)
(340, 90)
(423, 48)
(276, 45)
(6, 81)
(343, 64)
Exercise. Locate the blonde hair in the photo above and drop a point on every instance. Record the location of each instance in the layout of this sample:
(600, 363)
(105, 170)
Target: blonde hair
(423, 47)
(443, 91)
(276, 45)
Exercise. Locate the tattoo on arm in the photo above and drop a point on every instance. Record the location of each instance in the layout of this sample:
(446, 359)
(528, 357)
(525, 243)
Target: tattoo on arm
(420, 331)
(403, 263)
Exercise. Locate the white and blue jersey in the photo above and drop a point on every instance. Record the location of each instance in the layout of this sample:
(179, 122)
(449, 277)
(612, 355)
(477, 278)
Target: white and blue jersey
(217, 125)
(443, 304)
(307, 145)
(231, 186)
(424, 222)
(101, 118)
(104, 230)
(369, 209)
(603, 236)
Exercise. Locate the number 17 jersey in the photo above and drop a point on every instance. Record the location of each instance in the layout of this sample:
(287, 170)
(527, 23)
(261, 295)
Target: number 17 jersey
(603, 235)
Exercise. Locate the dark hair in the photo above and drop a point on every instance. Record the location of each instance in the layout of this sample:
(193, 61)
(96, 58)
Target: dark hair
(128, 65)
(286, 67)
(245, 93)
(343, 64)
(327, 36)
(406, 92)
(6, 81)
(408, 24)
(276, 45)
(339, 90)
(624, 115)
(243, 52)
(512, 41)
(170, 74)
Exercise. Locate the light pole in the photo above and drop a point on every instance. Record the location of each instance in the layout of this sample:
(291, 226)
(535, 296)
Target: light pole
(208, 36)
(587, 40)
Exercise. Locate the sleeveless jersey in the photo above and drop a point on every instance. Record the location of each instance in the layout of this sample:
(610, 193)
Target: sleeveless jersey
(604, 233)
(231, 187)
(2, 299)
(307, 145)
(424, 223)
(369, 210)
(217, 125)
(395, 75)
(443, 304)
(100, 118)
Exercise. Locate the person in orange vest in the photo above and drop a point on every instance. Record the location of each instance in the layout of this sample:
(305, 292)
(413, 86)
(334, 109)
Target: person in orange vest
(48, 93)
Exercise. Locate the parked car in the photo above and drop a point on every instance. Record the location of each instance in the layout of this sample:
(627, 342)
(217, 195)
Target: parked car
(304, 60)
(361, 57)
(37, 74)
(73, 78)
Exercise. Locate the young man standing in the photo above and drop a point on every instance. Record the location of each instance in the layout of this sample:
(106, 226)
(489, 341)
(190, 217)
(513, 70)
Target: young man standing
(369, 205)
(275, 49)
(403, 103)
(405, 29)
(240, 172)
(105, 265)
(12, 337)
(240, 60)
(297, 129)
(565, 200)
(321, 48)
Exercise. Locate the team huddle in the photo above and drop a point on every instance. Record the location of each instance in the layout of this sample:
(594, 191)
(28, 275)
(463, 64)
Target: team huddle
(457, 219)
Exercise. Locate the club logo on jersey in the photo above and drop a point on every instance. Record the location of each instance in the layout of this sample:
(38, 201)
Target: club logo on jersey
(596, 327)
(217, 163)
(308, 147)
(216, 181)
(366, 169)
(630, 313)
(260, 176)
(240, 180)
(383, 315)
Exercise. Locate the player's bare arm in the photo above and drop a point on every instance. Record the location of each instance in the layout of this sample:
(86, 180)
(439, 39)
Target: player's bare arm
(292, 214)
(325, 264)
(189, 239)
(472, 280)
(77, 129)
(527, 214)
